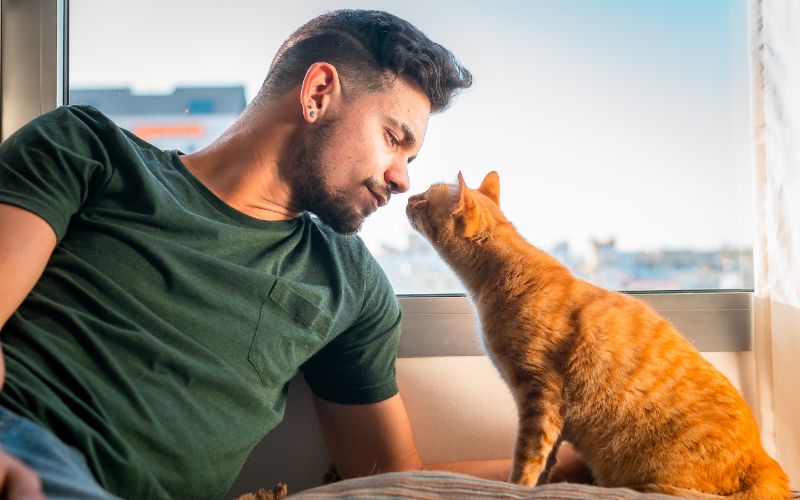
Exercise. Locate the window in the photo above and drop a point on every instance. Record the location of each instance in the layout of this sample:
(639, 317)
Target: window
(620, 129)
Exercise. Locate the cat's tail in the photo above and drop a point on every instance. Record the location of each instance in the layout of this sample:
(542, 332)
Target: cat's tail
(765, 480)
(666, 489)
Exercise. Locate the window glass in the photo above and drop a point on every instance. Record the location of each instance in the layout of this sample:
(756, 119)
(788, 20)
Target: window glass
(620, 128)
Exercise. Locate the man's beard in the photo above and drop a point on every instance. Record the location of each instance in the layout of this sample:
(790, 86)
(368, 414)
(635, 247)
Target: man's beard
(311, 190)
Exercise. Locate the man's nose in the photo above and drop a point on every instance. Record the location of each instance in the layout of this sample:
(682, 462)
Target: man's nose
(396, 176)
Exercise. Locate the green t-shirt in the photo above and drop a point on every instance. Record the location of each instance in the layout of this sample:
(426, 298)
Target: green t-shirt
(160, 339)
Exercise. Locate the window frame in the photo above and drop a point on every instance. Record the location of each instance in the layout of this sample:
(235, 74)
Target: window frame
(34, 41)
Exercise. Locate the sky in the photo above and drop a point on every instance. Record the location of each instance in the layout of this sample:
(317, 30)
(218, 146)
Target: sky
(617, 118)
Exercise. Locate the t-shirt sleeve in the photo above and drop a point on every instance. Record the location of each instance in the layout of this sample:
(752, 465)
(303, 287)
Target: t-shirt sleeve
(52, 165)
(358, 366)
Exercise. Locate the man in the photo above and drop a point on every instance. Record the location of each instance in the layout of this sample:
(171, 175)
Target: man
(156, 304)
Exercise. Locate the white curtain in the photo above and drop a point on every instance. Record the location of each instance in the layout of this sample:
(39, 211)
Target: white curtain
(775, 43)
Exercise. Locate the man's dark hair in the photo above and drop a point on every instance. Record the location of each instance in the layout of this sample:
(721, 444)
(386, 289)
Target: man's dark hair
(369, 49)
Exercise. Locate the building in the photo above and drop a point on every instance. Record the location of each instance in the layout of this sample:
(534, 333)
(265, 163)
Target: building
(187, 119)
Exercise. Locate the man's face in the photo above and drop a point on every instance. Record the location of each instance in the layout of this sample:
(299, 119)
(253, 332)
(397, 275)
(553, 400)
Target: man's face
(356, 156)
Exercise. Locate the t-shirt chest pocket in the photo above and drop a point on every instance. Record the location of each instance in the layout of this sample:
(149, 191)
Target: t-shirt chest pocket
(290, 329)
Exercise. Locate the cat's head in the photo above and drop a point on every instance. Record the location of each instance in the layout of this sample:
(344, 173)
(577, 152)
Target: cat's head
(453, 212)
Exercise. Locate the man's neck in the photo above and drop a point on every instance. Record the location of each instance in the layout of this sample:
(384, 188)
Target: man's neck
(241, 166)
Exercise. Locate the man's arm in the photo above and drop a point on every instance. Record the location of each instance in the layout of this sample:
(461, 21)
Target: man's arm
(26, 243)
(375, 438)
(366, 439)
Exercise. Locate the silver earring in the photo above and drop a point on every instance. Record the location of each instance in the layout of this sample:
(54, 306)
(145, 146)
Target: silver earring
(312, 114)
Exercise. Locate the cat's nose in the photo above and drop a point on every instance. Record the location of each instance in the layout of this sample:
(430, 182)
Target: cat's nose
(416, 199)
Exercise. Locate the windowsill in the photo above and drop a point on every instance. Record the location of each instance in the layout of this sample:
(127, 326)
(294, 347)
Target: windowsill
(446, 324)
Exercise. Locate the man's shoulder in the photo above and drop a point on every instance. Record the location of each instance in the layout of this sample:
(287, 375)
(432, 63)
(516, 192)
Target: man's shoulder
(78, 124)
(72, 125)
(78, 113)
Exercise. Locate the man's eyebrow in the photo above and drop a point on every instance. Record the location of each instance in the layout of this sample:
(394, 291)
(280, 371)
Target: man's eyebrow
(408, 135)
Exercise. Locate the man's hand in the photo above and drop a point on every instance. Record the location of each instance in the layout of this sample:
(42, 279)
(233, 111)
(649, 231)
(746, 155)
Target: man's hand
(496, 470)
(17, 481)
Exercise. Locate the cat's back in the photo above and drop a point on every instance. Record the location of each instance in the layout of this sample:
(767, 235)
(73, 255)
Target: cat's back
(658, 399)
(645, 362)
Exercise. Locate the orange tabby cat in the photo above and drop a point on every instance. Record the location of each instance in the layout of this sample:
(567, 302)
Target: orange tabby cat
(599, 369)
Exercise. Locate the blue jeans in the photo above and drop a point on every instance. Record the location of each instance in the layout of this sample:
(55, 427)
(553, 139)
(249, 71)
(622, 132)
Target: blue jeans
(62, 470)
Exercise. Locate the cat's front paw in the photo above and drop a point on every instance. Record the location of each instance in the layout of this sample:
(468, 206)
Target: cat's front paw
(525, 475)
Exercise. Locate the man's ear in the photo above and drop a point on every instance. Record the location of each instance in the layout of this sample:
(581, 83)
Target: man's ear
(466, 210)
(491, 187)
(320, 86)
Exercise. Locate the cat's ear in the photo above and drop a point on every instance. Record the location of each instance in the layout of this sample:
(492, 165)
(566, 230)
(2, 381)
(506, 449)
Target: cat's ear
(491, 187)
(466, 201)
(466, 210)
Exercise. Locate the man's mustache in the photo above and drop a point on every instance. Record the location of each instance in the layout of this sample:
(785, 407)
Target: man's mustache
(377, 187)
